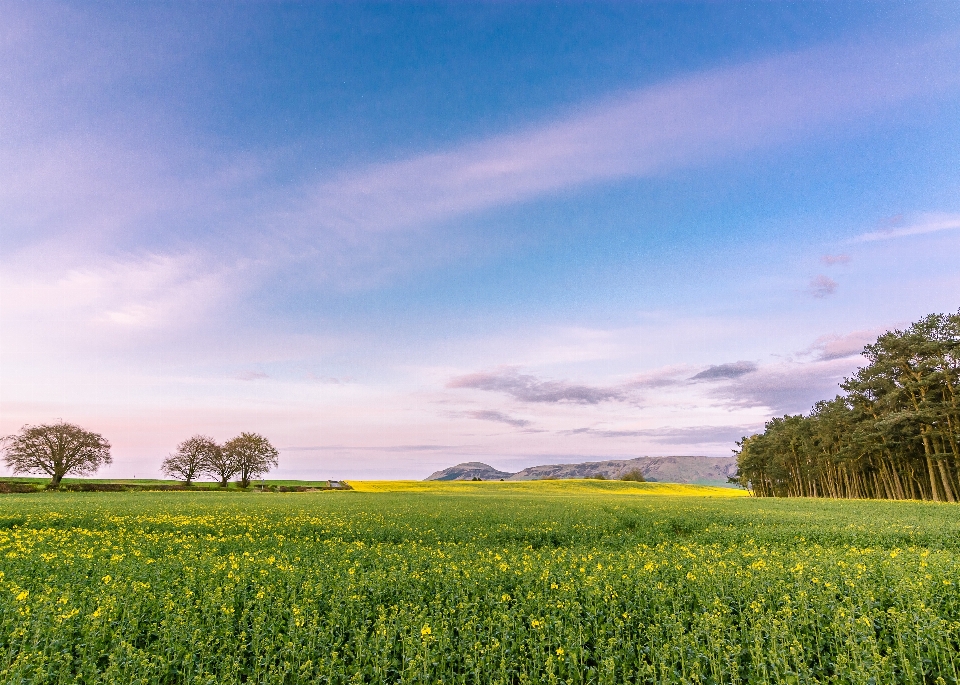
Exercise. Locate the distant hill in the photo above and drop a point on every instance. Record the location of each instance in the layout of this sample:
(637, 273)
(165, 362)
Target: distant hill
(699, 470)
(469, 471)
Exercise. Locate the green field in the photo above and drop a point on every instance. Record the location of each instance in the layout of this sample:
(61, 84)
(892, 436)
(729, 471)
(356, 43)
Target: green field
(476, 584)
(148, 483)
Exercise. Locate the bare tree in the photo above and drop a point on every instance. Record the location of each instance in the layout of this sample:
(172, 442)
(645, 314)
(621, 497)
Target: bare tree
(221, 464)
(192, 458)
(56, 449)
(252, 455)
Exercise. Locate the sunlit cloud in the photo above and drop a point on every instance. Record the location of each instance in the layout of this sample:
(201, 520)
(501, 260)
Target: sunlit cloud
(833, 346)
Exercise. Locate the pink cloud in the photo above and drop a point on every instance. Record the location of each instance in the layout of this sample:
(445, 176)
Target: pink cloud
(823, 286)
(832, 346)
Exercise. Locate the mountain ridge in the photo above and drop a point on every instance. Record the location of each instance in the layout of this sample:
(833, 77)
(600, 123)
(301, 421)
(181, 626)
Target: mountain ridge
(670, 469)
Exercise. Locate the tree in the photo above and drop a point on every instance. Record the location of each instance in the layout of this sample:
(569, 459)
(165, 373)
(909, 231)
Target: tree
(894, 434)
(56, 449)
(221, 464)
(193, 457)
(251, 455)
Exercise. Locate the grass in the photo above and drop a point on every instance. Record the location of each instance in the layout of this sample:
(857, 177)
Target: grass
(146, 482)
(544, 582)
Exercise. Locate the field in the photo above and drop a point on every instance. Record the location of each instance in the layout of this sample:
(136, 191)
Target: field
(586, 582)
(545, 487)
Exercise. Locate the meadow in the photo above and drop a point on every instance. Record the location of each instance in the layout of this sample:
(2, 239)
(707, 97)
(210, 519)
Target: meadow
(561, 582)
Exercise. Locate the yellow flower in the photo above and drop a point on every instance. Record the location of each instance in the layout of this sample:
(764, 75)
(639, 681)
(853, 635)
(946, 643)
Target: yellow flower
(106, 580)
(559, 651)
(425, 631)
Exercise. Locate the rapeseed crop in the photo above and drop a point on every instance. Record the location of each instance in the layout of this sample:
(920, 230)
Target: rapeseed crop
(470, 588)
(547, 487)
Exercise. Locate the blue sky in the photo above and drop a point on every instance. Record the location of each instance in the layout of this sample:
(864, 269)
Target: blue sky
(395, 237)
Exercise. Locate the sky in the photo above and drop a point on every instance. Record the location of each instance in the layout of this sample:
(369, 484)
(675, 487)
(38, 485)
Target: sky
(395, 237)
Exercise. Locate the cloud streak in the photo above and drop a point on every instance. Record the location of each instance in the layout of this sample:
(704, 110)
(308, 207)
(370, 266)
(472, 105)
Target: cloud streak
(928, 223)
(725, 371)
(497, 417)
(692, 435)
(651, 131)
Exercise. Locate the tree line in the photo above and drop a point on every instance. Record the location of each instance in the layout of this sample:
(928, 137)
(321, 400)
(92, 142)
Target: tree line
(61, 448)
(892, 434)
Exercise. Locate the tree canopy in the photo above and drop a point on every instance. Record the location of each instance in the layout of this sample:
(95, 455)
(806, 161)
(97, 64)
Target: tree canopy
(56, 449)
(252, 456)
(192, 458)
(893, 434)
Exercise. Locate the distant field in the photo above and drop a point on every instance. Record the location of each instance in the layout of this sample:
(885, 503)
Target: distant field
(544, 582)
(545, 487)
(149, 482)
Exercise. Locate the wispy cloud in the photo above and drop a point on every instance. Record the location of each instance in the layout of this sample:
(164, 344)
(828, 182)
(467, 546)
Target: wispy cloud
(787, 387)
(251, 376)
(497, 417)
(833, 346)
(642, 133)
(358, 226)
(692, 435)
(823, 286)
(928, 223)
(831, 259)
(725, 371)
(527, 388)
(111, 299)
(662, 378)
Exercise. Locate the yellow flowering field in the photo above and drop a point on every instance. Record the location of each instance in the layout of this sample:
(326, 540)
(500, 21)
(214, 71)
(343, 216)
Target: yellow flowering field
(544, 487)
(475, 586)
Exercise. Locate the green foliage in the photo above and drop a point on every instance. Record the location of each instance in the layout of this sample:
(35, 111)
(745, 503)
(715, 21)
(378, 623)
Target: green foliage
(893, 435)
(635, 475)
(425, 588)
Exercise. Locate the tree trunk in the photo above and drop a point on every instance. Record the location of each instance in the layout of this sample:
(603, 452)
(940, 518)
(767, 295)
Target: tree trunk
(933, 479)
(946, 481)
